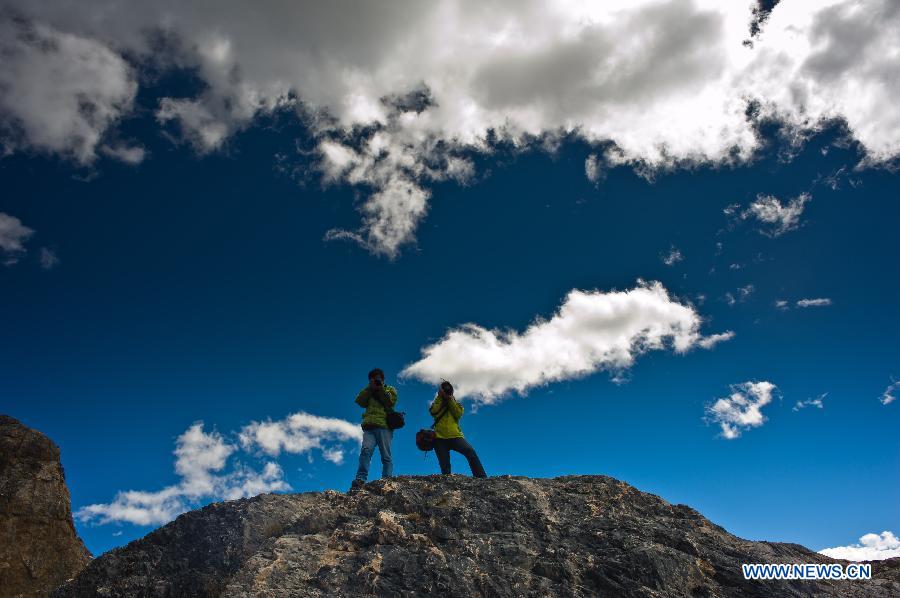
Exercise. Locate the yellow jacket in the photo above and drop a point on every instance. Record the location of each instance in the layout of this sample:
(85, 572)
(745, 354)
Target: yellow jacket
(448, 425)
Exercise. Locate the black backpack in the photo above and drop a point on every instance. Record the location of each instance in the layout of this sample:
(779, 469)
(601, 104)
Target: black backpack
(395, 419)
(425, 437)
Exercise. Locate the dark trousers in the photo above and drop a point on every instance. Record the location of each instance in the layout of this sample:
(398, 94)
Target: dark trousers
(442, 448)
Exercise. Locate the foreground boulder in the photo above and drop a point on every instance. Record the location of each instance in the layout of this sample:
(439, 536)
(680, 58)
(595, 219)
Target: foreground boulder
(456, 536)
(39, 548)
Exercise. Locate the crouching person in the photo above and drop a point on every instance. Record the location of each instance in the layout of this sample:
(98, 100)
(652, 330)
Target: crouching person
(377, 398)
(447, 411)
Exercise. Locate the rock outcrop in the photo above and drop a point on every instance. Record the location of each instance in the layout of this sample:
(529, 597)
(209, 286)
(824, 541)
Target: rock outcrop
(39, 548)
(455, 536)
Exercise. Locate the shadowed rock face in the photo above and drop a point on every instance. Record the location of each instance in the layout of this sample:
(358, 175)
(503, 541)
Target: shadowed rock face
(454, 536)
(39, 548)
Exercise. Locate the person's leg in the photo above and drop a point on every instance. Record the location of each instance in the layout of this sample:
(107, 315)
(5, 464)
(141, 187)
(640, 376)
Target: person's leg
(384, 436)
(462, 446)
(365, 455)
(442, 450)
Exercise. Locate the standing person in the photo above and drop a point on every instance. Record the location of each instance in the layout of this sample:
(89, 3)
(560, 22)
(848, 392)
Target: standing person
(446, 411)
(374, 398)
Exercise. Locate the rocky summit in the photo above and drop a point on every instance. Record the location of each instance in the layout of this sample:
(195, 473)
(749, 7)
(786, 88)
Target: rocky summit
(39, 548)
(455, 536)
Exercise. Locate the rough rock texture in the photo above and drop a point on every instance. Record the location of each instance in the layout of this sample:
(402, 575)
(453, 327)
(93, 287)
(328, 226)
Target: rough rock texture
(456, 536)
(39, 548)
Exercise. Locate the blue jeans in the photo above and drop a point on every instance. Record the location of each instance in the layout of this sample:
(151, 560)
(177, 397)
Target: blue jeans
(382, 438)
(442, 448)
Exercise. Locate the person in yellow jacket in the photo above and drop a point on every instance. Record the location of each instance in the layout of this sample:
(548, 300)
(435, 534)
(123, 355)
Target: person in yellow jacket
(447, 411)
(374, 398)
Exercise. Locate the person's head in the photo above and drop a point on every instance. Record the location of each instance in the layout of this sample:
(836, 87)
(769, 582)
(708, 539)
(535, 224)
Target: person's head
(376, 377)
(447, 388)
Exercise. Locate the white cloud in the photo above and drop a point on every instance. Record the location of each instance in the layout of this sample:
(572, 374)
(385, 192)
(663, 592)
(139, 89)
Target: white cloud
(13, 235)
(59, 92)
(591, 331)
(871, 547)
(708, 342)
(779, 218)
(887, 397)
(592, 169)
(817, 402)
(298, 433)
(743, 293)
(124, 153)
(199, 455)
(742, 409)
(814, 302)
(782, 304)
(672, 257)
(202, 460)
(49, 259)
(654, 84)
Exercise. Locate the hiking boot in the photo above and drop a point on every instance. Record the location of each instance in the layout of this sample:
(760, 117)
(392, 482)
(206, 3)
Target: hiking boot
(357, 484)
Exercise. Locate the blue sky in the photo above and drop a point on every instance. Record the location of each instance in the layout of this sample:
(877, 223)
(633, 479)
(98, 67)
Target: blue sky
(160, 276)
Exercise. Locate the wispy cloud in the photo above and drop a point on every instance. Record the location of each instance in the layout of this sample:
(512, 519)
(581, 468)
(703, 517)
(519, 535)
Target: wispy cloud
(817, 402)
(48, 258)
(871, 547)
(779, 218)
(593, 169)
(742, 409)
(591, 331)
(888, 397)
(672, 257)
(201, 463)
(13, 235)
(743, 293)
(708, 342)
(821, 302)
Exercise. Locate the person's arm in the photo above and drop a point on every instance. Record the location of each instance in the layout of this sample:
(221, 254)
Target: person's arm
(436, 405)
(456, 409)
(390, 395)
(362, 399)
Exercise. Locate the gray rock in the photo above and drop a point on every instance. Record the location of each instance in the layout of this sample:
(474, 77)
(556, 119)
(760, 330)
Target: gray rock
(39, 548)
(455, 536)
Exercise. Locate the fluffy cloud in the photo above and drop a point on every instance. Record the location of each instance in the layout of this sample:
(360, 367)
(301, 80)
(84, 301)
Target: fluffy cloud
(887, 397)
(817, 402)
(779, 218)
(822, 302)
(591, 331)
(201, 462)
(871, 547)
(742, 409)
(654, 84)
(59, 92)
(13, 235)
(299, 433)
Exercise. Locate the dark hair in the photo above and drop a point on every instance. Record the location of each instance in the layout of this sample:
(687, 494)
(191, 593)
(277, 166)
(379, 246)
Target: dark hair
(376, 373)
(447, 387)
